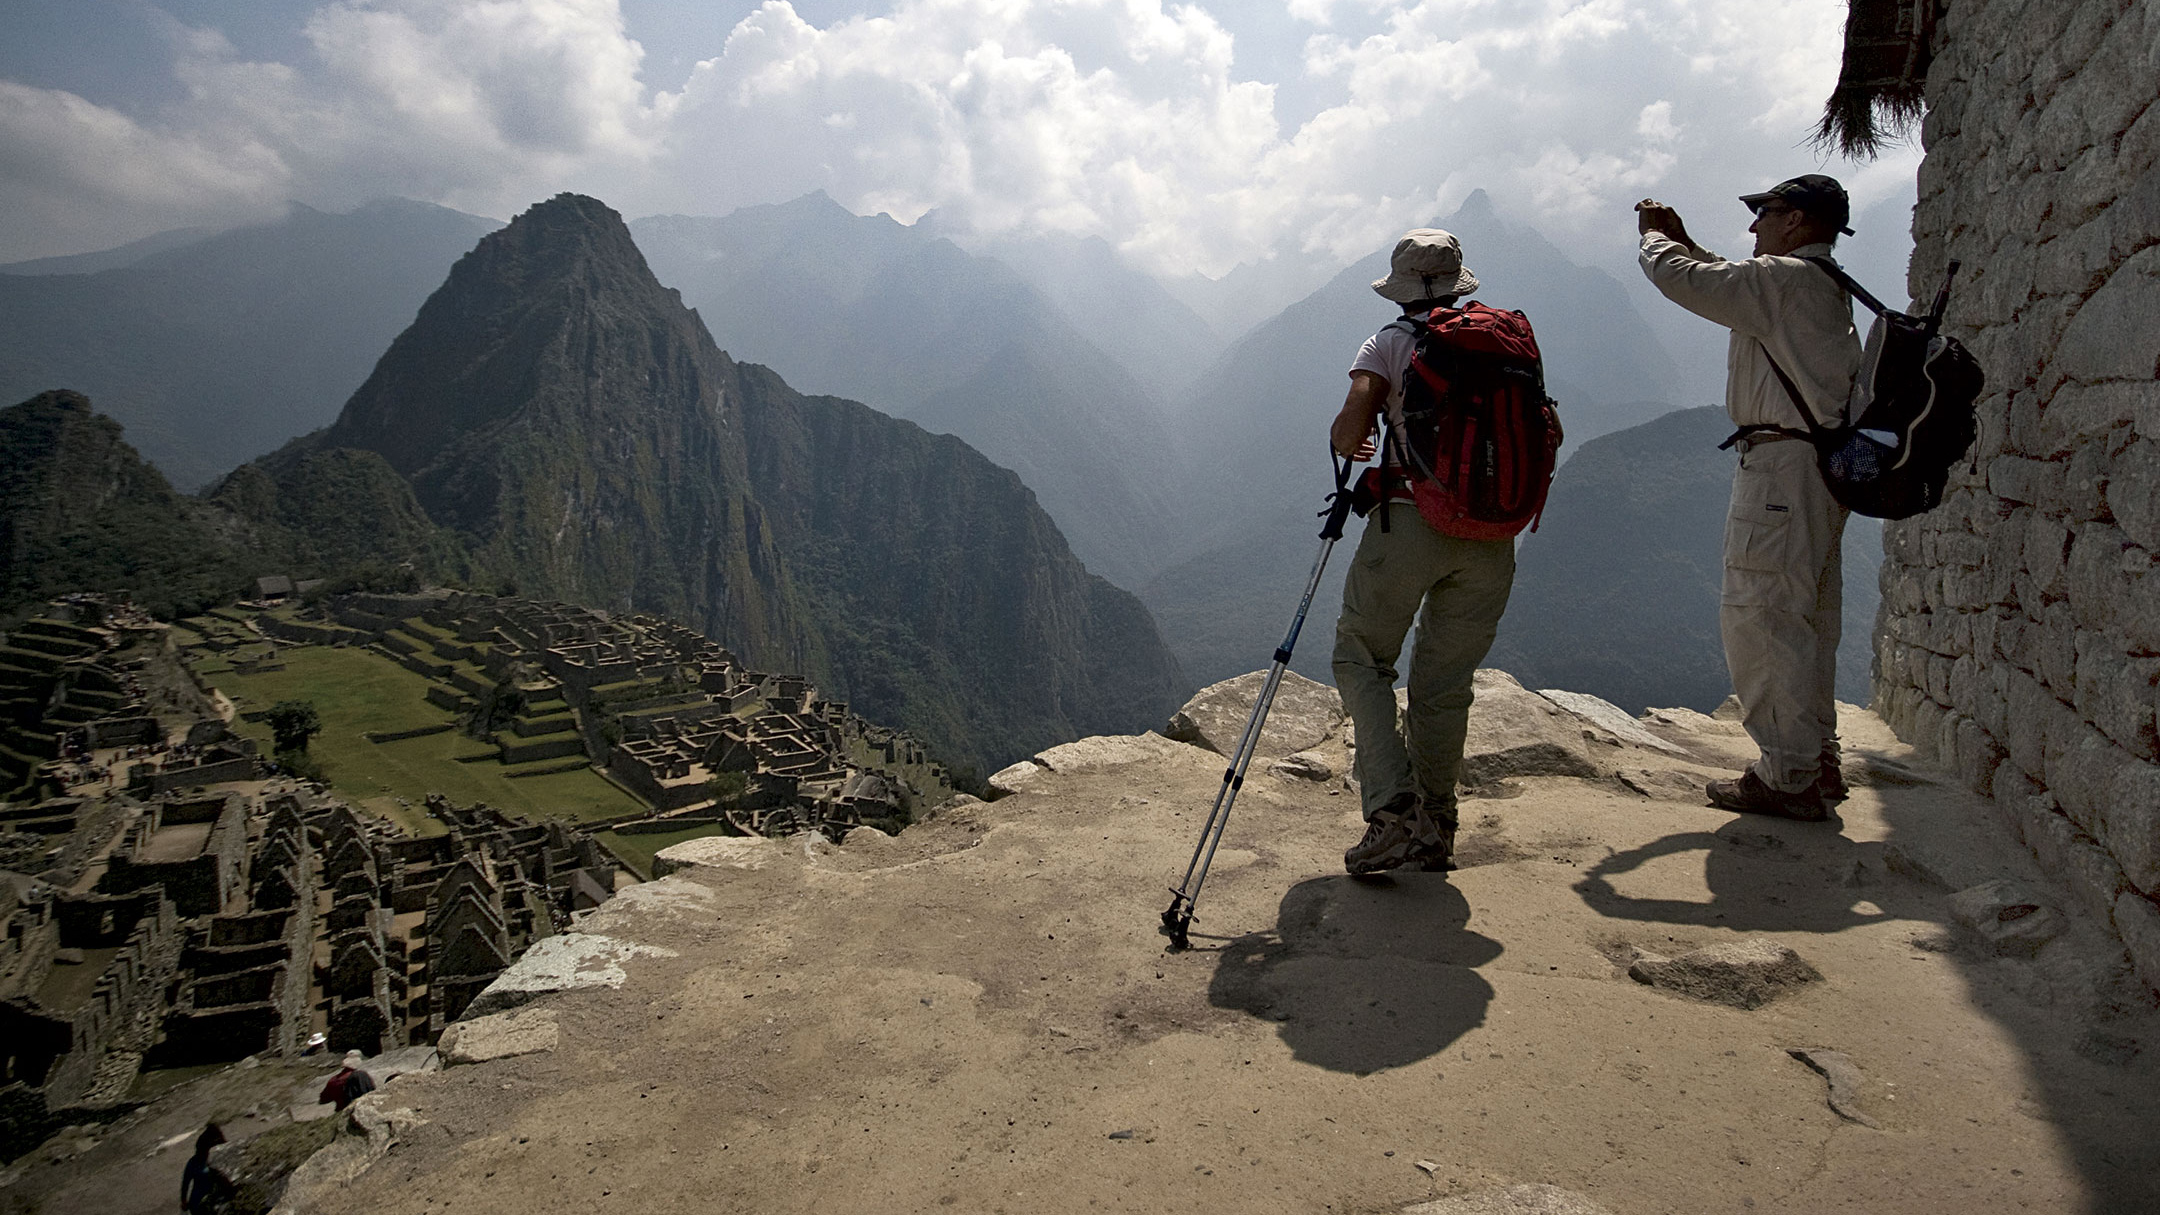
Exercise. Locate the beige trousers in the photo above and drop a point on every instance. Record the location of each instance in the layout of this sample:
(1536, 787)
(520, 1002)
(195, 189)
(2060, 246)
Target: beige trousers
(1456, 591)
(1780, 611)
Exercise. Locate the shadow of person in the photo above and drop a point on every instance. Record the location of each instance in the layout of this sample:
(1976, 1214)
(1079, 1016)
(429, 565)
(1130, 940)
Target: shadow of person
(1764, 874)
(1362, 975)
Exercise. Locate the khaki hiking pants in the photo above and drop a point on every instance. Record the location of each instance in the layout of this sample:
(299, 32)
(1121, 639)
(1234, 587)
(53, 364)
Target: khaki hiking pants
(1780, 611)
(1462, 588)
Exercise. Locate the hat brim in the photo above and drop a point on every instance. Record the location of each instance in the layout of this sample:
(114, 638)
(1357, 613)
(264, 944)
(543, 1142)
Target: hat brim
(1754, 202)
(1409, 288)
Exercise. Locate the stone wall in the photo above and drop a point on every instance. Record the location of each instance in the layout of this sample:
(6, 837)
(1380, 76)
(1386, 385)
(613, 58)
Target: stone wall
(2019, 641)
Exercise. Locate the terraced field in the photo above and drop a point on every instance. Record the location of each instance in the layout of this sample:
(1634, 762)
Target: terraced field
(357, 692)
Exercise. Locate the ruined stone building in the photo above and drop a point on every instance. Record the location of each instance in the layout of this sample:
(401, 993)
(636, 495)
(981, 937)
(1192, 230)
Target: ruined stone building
(2019, 642)
(662, 709)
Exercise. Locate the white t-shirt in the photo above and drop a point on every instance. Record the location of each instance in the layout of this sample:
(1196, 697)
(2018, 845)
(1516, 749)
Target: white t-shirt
(1387, 354)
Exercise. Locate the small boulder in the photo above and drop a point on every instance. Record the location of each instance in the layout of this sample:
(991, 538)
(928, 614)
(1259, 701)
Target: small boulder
(1516, 732)
(1511, 1200)
(2011, 918)
(1022, 777)
(500, 1036)
(1303, 714)
(1608, 722)
(1305, 765)
(1101, 752)
(1744, 974)
(718, 852)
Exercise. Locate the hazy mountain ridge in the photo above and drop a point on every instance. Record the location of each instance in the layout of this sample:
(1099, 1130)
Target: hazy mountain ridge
(218, 349)
(869, 309)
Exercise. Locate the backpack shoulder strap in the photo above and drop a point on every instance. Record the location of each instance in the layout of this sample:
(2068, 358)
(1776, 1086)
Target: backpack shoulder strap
(1858, 292)
(1815, 429)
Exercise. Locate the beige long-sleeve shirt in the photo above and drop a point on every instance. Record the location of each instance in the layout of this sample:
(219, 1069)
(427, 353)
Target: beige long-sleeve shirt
(1793, 308)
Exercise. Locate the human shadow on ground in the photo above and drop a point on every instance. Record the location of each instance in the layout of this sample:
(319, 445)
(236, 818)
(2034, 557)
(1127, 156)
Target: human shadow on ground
(1764, 874)
(2086, 1026)
(1362, 975)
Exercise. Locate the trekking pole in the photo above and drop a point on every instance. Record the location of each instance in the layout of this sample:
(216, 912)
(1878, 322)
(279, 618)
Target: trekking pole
(1177, 920)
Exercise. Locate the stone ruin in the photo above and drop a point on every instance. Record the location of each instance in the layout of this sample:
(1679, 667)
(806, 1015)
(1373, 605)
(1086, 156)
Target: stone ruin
(195, 933)
(662, 709)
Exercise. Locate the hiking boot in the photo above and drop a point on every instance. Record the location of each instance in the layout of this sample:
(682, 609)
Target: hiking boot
(1434, 853)
(1391, 834)
(1830, 779)
(1749, 795)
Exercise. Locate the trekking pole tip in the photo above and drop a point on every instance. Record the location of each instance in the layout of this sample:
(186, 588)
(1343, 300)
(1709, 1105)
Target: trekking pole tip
(1176, 924)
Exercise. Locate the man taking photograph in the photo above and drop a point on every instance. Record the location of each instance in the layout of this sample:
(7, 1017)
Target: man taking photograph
(1779, 611)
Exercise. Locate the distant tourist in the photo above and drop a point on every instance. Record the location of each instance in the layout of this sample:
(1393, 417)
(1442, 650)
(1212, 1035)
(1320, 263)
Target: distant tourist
(350, 1084)
(1792, 341)
(1413, 566)
(204, 1188)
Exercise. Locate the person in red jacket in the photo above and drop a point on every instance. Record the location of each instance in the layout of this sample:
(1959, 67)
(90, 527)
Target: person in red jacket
(350, 1084)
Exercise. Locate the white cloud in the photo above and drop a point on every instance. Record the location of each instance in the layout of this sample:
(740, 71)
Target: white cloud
(1120, 118)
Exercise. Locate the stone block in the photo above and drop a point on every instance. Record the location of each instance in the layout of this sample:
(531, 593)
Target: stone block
(2080, 412)
(2011, 918)
(2082, 767)
(2071, 857)
(2115, 692)
(2046, 551)
(2022, 479)
(2085, 482)
(2137, 612)
(2134, 220)
(1978, 756)
(2112, 336)
(2137, 920)
(2121, 70)
(2095, 574)
(2055, 650)
(2030, 708)
(2077, 262)
(2140, 146)
(2130, 824)
(2134, 489)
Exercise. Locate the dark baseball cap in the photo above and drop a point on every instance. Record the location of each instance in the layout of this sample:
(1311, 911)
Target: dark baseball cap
(1813, 193)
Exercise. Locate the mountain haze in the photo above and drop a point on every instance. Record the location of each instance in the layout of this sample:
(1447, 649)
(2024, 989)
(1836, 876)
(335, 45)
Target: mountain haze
(1254, 433)
(576, 427)
(219, 349)
(870, 309)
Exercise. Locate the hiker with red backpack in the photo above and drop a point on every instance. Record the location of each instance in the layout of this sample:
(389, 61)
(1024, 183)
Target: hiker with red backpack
(1467, 444)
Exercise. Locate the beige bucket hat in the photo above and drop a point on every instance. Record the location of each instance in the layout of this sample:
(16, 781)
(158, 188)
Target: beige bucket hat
(1427, 264)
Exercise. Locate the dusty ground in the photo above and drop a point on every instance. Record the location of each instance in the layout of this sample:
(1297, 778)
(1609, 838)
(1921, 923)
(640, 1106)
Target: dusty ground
(962, 1019)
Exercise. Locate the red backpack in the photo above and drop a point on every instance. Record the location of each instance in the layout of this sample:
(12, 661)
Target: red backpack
(1473, 425)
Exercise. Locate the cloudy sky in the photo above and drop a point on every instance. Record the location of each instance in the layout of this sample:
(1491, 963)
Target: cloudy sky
(1192, 136)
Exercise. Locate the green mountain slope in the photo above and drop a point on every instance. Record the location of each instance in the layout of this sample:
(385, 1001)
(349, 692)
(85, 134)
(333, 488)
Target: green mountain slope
(81, 511)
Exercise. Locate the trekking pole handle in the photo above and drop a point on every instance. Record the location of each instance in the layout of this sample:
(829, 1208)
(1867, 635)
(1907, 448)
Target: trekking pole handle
(1942, 297)
(1338, 510)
